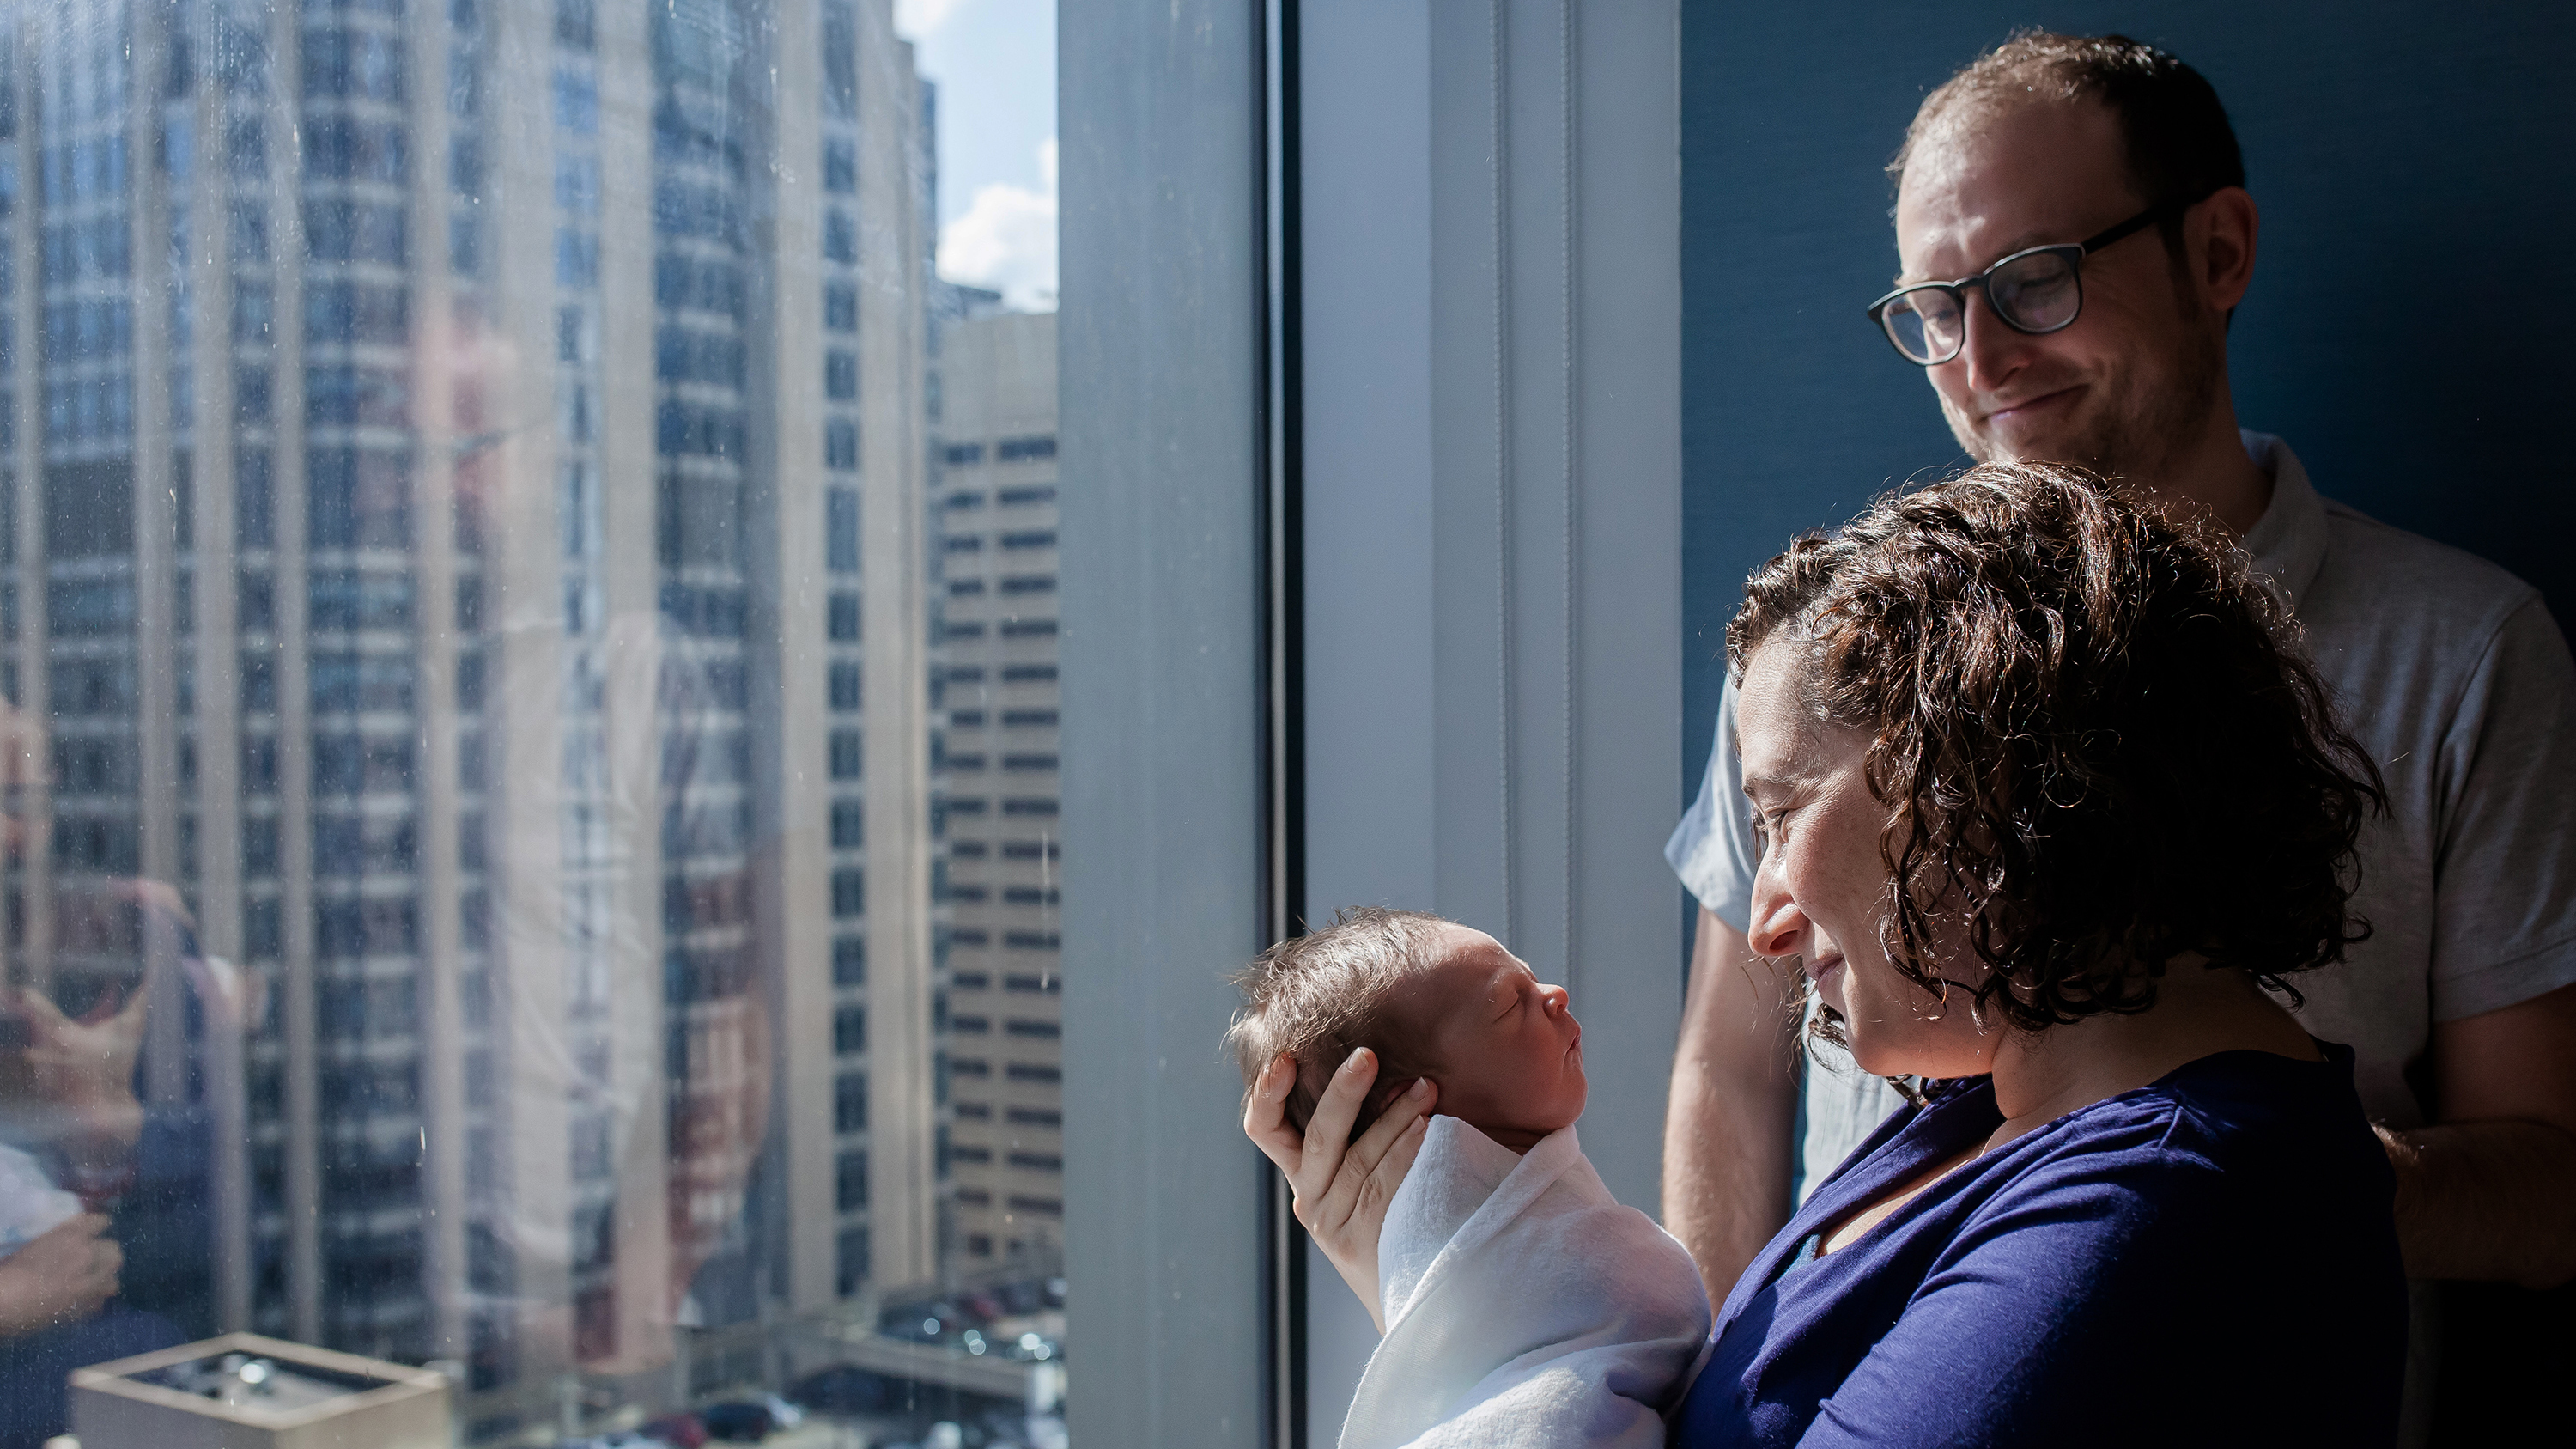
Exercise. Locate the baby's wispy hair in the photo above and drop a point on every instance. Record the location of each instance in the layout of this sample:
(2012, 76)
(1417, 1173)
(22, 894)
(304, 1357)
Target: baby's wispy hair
(1321, 996)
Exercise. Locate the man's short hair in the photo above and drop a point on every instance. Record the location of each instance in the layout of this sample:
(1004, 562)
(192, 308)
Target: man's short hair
(2180, 145)
(2096, 739)
(1321, 996)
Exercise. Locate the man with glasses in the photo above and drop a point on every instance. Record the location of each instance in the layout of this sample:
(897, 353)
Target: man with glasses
(2074, 234)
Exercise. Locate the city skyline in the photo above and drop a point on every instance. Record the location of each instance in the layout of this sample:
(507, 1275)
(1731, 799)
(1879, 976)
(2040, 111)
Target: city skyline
(479, 457)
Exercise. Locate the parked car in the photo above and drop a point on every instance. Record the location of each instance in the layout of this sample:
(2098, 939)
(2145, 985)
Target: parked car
(846, 1388)
(936, 1320)
(680, 1431)
(1035, 1347)
(738, 1421)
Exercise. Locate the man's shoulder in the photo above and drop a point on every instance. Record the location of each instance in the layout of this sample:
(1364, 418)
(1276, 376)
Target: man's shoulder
(2415, 571)
(2377, 578)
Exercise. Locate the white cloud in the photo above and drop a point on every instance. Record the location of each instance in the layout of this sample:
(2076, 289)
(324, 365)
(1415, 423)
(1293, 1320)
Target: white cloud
(915, 19)
(1006, 240)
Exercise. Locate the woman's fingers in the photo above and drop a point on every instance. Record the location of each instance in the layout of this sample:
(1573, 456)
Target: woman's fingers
(1265, 1117)
(1388, 1175)
(1328, 1132)
(1350, 1198)
(128, 1020)
(40, 1011)
(1332, 1176)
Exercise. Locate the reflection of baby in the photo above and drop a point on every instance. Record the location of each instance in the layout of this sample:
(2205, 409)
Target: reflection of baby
(30, 1205)
(1523, 1304)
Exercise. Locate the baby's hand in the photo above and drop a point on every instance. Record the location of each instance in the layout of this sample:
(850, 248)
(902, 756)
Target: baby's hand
(1341, 1191)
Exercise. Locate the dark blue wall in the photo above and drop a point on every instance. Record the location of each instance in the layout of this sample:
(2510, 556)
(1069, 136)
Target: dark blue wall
(2408, 330)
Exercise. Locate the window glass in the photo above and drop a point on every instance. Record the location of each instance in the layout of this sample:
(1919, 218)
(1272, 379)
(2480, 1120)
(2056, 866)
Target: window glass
(532, 823)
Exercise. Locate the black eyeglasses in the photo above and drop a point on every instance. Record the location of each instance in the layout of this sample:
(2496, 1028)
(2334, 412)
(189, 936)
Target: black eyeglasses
(2038, 291)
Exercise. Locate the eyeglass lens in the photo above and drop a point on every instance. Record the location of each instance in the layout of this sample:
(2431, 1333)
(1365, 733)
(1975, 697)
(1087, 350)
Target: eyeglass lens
(2034, 293)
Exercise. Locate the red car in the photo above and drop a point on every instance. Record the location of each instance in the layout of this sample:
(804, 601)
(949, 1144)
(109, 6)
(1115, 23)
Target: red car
(680, 1431)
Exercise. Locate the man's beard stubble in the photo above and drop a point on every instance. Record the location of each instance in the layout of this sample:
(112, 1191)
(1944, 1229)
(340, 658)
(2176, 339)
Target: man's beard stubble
(2132, 436)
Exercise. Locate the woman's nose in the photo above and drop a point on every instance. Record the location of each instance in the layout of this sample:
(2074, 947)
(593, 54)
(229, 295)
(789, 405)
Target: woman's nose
(1779, 928)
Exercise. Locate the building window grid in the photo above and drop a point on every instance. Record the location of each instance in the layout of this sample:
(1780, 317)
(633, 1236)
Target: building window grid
(587, 877)
(247, 165)
(844, 665)
(702, 419)
(579, 280)
(1026, 1146)
(355, 333)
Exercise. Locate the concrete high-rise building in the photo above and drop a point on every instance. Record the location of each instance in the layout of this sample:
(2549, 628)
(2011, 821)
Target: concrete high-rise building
(995, 497)
(463, 524)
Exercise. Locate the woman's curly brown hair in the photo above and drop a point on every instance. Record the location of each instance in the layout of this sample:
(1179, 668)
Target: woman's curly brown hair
(2097, 740)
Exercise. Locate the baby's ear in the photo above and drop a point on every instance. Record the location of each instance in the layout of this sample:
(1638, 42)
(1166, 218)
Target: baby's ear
(1383, 1093)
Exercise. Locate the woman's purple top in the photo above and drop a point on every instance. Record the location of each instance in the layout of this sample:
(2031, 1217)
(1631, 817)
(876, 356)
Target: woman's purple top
(2207, 1260)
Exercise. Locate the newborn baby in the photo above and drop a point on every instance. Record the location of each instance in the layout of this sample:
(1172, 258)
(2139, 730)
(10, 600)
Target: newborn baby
(1523, 1305)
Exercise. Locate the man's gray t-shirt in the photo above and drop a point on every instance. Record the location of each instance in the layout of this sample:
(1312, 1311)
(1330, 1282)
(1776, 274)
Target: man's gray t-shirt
(2452, 674)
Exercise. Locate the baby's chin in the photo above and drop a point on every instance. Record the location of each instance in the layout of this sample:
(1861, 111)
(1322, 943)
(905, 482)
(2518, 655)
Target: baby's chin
(1539, 1122)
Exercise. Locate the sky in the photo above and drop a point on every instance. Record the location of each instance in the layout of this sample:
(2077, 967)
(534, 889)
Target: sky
(994, 61)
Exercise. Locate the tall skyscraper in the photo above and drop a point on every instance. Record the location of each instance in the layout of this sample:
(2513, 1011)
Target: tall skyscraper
(464, 526)
(998, 729)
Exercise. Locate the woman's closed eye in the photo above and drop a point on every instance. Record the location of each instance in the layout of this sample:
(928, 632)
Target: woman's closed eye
(1770, 825)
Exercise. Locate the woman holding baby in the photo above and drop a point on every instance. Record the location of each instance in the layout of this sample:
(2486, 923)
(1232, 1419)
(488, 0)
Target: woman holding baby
(2054, 816)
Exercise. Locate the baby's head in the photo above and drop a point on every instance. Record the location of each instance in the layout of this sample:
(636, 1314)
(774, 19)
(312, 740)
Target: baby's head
(1432, 999)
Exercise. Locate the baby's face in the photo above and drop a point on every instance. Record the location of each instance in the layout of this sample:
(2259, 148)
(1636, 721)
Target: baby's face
(1509, 1054)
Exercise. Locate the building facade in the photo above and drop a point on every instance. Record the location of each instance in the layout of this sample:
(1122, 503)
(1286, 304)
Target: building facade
(464, 563)
(998, 731)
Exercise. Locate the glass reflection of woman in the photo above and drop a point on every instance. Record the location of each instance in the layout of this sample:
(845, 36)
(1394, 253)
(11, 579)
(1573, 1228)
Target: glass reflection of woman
(90, 1171)
(66, 1085)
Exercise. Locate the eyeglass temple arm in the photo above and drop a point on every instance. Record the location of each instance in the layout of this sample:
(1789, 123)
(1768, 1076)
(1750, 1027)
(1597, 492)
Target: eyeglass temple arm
(2147, 218)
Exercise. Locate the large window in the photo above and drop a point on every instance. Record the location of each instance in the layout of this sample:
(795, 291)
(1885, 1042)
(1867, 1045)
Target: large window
(529, 627)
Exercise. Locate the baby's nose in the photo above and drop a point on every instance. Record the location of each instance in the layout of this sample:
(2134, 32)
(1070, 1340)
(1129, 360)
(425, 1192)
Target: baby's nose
(1557, 997)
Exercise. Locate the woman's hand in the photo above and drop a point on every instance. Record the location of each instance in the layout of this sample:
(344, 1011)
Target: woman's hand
(59, 1276)
(84, 1068)
(1341, 1191)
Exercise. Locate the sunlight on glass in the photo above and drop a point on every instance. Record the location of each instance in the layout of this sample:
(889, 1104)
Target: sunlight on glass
(528, 631)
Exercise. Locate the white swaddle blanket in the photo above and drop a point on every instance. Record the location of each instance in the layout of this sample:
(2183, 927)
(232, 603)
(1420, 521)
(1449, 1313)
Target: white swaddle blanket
(1524, 1306)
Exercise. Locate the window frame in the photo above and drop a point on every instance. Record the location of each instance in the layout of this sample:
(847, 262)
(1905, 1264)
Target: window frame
(1197, 525)
(1172, 701)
